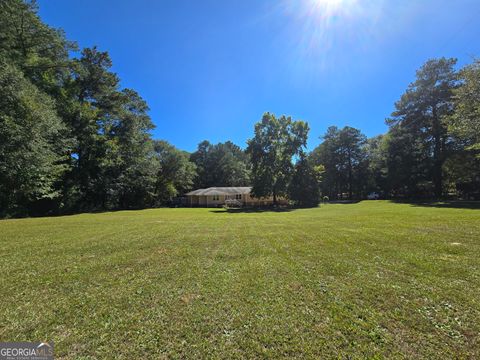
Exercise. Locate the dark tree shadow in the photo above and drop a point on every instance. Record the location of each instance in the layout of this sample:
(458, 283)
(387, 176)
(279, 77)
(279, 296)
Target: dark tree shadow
(252, 210)
(344, 202)
(452, 204)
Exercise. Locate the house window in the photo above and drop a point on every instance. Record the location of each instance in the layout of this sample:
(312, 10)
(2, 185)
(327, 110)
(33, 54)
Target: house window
(238, 196)
(216, 197)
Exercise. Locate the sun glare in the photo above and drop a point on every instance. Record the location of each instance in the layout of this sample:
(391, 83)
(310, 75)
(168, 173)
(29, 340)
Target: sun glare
(323, 25)
(330, 5)
(329, 9)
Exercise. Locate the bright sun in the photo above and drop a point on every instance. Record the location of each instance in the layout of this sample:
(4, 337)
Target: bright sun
(323, 25)
(327, 8)
(328, 3)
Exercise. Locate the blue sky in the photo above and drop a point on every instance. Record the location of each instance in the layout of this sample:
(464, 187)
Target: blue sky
(210, 69)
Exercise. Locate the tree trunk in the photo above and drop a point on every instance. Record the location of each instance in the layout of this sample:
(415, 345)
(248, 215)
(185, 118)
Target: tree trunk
(437, 177)
(350, 176)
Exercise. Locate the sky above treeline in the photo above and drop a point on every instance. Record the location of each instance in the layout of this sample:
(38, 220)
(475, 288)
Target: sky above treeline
(209, 69)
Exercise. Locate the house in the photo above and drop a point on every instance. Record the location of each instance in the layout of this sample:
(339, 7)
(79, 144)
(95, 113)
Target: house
(218, 196)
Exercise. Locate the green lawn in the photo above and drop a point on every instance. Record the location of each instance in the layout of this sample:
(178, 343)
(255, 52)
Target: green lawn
(373, 279)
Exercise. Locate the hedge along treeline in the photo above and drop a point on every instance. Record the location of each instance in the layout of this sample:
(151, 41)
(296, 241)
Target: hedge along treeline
(72, 140)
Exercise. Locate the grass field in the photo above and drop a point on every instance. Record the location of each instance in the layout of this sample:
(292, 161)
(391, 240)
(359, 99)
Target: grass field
(372, 279)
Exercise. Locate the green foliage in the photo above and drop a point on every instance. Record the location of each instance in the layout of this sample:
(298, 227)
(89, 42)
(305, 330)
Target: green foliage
(32, 147)
(113, 165)
(52, 101)
(176, 172)
(465, 121)
(73, 140)
(408, 163)
(377, 171)
(271, 150)
(304, 187)
(463, 166)
(130, 167)
(343, 153)
(421, 113)
(430, 149)
(40, 51)
(223, 164)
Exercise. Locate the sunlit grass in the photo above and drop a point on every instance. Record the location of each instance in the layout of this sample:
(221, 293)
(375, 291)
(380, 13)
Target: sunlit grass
(372, 279)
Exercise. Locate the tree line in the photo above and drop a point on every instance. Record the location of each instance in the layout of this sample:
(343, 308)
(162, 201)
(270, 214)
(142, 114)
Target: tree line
(72, 139)
(431, 149)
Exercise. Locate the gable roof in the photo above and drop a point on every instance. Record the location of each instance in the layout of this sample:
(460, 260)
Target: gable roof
(221, 191)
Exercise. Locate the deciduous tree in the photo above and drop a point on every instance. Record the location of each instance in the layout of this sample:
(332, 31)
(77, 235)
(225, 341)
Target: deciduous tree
(222, 164)
(175, 174)
(32, 146)
(275, 143)
(304, 187)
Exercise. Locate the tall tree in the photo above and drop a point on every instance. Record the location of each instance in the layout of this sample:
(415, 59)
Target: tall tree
(325, 154)
(39, 51)
(32, 145)
(408, 163)
(463, 166)
(465, 121)
(275, 143)
(86, 142)
(304, 188)
(130, 165)
(423, 109)
(352, 153)
(343, 153)
(376, 149)
(94, 106)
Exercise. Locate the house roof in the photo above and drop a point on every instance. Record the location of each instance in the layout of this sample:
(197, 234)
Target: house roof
(221, 191)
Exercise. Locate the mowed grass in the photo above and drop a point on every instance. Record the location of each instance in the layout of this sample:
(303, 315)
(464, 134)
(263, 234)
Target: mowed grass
(367, 280)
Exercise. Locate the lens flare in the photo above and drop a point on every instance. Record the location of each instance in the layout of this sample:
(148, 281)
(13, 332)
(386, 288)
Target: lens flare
(328, 8)
(320, 26)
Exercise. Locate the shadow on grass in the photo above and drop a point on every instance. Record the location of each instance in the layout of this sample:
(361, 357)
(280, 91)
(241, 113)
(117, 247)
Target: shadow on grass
(453, 204)
(344, 202)
(75, 213)
(252, 210)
